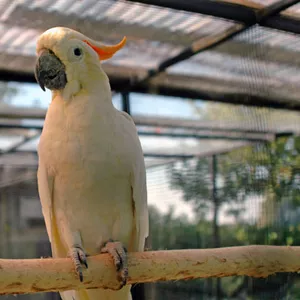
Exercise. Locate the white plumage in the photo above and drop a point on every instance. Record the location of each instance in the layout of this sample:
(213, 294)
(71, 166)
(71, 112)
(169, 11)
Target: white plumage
(91, 175)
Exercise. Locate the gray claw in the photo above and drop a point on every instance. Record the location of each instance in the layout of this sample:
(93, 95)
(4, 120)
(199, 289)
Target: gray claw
(78, 257)
(119, 255)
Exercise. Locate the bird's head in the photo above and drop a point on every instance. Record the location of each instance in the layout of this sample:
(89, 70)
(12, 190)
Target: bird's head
(68, 60)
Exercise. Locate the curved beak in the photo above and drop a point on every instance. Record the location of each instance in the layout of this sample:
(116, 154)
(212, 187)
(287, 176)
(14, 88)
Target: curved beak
(50, 71)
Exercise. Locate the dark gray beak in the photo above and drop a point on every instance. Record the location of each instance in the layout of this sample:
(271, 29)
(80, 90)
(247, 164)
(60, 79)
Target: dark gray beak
(50, 71)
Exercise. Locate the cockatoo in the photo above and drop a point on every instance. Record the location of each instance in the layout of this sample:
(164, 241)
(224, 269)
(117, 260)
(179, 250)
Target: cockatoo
(91, 174)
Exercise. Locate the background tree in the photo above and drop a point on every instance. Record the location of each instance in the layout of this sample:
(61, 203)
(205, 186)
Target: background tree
(268, 171)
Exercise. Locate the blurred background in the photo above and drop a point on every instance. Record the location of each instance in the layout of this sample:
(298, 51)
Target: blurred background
(213, 87)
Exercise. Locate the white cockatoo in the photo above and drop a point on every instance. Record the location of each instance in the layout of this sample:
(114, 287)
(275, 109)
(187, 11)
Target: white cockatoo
(91, 175)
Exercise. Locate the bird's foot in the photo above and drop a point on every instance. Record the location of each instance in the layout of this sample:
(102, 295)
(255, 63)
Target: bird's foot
(78, 257)
(119, 255)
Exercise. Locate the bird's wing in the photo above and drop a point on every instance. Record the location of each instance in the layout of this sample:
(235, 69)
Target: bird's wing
(45, 187)
(139, 188)
(46, 184)
(139, 194)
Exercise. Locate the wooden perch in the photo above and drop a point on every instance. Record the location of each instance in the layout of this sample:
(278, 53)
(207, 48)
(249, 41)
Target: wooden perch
(44, 275)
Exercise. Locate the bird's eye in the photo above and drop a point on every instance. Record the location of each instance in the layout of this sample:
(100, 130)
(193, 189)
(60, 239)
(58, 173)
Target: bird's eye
(77, 52)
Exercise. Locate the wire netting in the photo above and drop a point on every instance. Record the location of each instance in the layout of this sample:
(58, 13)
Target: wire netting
(249, 195)
(243, 195)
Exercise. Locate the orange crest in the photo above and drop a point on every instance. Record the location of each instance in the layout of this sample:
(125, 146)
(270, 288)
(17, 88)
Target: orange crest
(106, 52)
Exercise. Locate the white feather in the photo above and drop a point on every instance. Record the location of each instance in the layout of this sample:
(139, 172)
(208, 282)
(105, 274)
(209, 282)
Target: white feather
(91, 174)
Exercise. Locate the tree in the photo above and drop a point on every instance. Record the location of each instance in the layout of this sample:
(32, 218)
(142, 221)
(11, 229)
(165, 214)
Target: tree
(200, 180)
(270, 170)
(210, 183)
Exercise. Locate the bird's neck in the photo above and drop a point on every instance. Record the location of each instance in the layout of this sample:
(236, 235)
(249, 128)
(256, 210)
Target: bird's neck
(94, 99)
(88, 105)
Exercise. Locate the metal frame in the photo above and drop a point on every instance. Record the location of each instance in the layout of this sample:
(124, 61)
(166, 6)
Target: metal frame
(239, 12)
(160, 155)
(247, 15)
(126, 102)
(11, 118)
(220, 9)
(16, 146)
(201, 125)
(226, 136)
(199, 136)
(160, 87)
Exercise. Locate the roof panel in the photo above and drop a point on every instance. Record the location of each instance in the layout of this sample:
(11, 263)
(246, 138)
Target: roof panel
(181, 147)
(293, 11)
(220, 65)
(262, 2)
(118, 14)
(7, 141)
(228, 118)
(155, 162)
(253, 3)
(17, 40)
(259, 61)
(262, 36)
(156, 34)
(139, 51)
(144, 53)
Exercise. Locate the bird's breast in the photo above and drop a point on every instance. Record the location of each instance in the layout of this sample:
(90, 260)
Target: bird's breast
(85, 141)
(92, 182)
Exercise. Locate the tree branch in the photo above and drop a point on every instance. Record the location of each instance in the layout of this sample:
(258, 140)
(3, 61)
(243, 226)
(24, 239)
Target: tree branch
(44, 275)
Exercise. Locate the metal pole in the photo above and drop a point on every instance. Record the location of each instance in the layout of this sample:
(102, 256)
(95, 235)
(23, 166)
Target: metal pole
(126, 102)
(216, 230)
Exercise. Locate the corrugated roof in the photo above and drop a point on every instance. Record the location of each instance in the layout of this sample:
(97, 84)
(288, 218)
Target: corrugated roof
(156, 34)
(259, 62)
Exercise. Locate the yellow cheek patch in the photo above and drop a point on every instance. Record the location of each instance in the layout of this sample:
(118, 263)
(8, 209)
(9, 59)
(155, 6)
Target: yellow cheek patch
(105, 52)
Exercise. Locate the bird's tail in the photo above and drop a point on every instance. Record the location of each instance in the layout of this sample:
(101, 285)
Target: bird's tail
(98, 294)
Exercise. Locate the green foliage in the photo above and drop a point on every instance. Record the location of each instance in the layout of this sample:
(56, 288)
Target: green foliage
(234, 183)
(268, 170)
(271, 170)
(170, 232)
(263, 171)
(193, 177)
